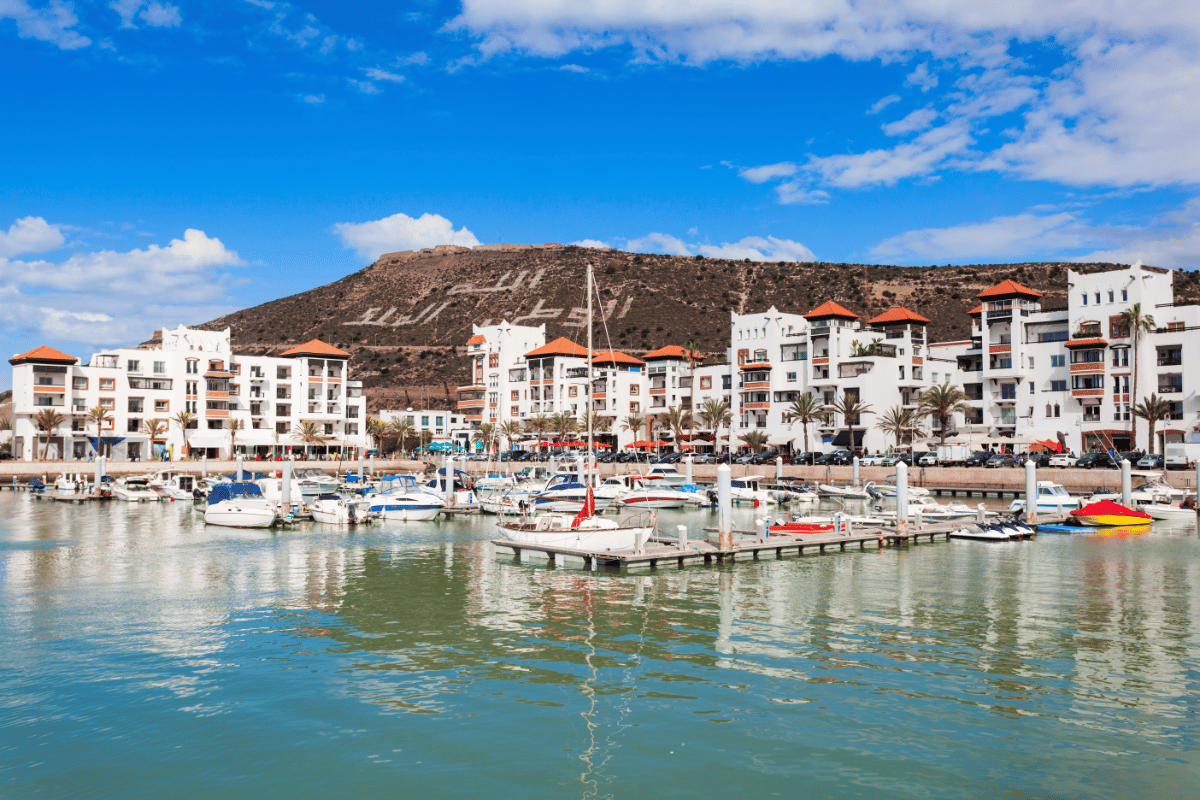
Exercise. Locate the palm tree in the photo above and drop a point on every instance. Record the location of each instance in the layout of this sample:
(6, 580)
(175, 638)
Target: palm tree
(402, 428)
(805, 409)
(98, 416)
(184, 419)
(900, 422)
(539, 424)
(716, 414)
(634, 423)
(155, 429)
(376, 430)
(755, 440)
(678, 418)
(1153, 409)
(599, 424)
(510, 429)
(48, 420)
(851, 408)
(309, 432)
(1137, 323)
(485, 434)
(562, 424)
(940, 402)
(236, 426)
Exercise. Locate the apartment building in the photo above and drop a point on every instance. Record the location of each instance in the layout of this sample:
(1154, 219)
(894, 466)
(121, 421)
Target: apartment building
(441, 425)
(1032, 373)
(240, 404)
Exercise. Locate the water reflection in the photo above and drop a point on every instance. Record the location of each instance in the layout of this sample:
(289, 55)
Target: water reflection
(956, 664)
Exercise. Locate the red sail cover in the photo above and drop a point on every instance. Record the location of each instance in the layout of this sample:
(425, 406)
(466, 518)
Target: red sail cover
(588, 511)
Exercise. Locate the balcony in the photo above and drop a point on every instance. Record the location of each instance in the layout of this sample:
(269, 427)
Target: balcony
(1170, 361)
(1087, 393)
(1170, 388)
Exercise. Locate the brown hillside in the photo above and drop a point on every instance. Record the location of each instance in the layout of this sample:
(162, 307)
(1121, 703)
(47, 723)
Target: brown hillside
(403, 316)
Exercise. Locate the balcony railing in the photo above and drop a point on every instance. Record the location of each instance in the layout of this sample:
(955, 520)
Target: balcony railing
(1170, 361)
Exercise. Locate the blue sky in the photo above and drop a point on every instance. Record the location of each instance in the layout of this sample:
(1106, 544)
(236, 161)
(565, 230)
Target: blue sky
(170, 162)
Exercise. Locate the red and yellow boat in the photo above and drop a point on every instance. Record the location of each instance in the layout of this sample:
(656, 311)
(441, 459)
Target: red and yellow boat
(801, 527)
(1107, 514)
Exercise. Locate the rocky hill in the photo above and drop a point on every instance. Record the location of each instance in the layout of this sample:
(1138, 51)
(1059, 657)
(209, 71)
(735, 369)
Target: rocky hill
(406, 317)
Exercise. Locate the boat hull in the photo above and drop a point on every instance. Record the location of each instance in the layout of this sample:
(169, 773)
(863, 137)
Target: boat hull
(1110, 520)
(406, 513)
(590, 539)
(245, 514)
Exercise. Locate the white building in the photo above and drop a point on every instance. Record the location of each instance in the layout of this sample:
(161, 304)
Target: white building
(245, 404)
(442, 426)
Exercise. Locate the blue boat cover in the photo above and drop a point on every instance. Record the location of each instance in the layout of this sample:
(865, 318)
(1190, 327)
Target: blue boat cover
(228, 491)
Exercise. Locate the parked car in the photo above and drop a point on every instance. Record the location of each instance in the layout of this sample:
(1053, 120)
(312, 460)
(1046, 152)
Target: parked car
(977, 459)
(889, 460)
(1001, 460)
(1040, 459)
(836, 458)
(1176, 456)
(927, 460)
(806, 458)
(1154, 461)
(1063, 460)
(1092, 460)
(1133, 457)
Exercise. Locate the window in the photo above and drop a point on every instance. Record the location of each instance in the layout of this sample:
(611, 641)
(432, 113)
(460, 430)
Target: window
(933, 376)
(236, 369)
(216, 424)
(1032, 387)
(1058, 361)
(160, 367)
(1085, 298)
(135, 405)
(329, 429)
(133, 425)
(493, 360)
(1058, 386)
(791, 376)
(134, 366)
(1097, 298)
(193, 367)
(281, 427)
(1057, 410)
(706, 382)
(1176, 411)
(1049, 410)
(1087, 356)
(760, 355)
(283, 373)
(1031, 362)
(514, 395)
(634, 407)
(424, 422)
(573, 391)
(634, 389)
(1120, 357)
(351, 412)
(79, 383)
(162, 406)
(1110, 295)
(107, 384)
(1008, 391)
(283, 410)
(1091, 413)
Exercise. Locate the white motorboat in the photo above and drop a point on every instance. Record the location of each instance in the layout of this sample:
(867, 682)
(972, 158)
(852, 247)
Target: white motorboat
(333, 509)
(889, 490)
(463, 491)
(1169, 513)
(492, 482)
(785, 493)
(566, 491)
(830, 519)
(1155, 489)
(843, 492)
(405, 507)
(931, 510)
(70, 484)
(749, 489)
(179, 487)
(135, 490)
(593, 534)
(664, 473)
(312, 482)
(240, 505)
(654, 495)
(1051, 496)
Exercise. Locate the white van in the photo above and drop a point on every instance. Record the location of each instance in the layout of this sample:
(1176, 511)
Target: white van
(1176, 457)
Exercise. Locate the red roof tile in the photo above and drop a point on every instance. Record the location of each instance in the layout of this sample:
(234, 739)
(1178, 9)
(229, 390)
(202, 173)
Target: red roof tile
(43, 353)
(1008, 288)
(615, 357)
(477, 339)
(976, 310)
(561, 346)
(899, 314)
(316, 348)
(830, 309)
(670, 351)
(1087, 343)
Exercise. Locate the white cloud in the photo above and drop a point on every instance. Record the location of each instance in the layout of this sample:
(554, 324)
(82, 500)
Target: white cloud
(366, 87)
(377, 74)
(593, 243)
(30, 235)
(401, 232)
(313, 99)
(161, 15)
(915, 121)
(883, 103)
(796, 193)
(574, 68)
(921, 78)
(126, 10)
(767, 172)
(755, 248)
(106, 297)
(1001, 237)
(53, 23)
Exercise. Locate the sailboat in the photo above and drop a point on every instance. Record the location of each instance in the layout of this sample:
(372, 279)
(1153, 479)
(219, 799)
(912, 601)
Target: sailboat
(585, 530)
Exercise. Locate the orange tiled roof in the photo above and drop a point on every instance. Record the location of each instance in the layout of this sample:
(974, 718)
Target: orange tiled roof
(43, 353)
(561, 346)
(670, 351)
(1087, 343)
(316, 348)
(976, 310)
(830, 309)
(616, 357)
(477, 339)
(1007, 288)
(899, 314)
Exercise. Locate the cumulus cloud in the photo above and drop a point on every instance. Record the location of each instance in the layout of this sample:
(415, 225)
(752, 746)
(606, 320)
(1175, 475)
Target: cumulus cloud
(52, 23)
(767, 172)
(1001, 237)
(161, 15)
(916, 121)
(313, 99)
(593, 243)
(105, 297)
(755, 248)
(401, 232)
(921, 78)
(376, 74)
(30, 235)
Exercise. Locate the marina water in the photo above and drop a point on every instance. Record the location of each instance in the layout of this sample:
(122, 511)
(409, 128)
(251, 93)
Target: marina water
(145, 655)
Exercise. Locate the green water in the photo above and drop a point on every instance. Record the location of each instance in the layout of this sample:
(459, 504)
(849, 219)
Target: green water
(145, 655)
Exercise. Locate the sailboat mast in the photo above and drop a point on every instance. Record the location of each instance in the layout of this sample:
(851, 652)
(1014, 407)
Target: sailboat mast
(587, 392)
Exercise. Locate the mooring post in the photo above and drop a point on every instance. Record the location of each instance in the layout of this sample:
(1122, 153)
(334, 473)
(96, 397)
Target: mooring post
(724, 507)
(687, 470)
(239, 467)
(360, 472)
(901, 499)
(681, 532)
(779, 469)
(448, 486)
(372, 466)
(285, 491)
(96, 478)
(1030, 492)
(1126, 484)
(204, 466)
(855, 462)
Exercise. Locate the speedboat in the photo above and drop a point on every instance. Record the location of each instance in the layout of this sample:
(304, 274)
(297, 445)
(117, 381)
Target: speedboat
(179, 486)
(135, 490)
(830, 519)
(1168, 512)
(664, 473)
(1155, 489)
(239, 505)
(1051, 496)
(312, 482)
(403, 506)
(463, 493)
(565, 491)
(69, 484)
(800, 527)
(931, 510)
(748, 489)
(1106, 513)
(843, 492)
(889, 490)
(334, 509)
(654, 495)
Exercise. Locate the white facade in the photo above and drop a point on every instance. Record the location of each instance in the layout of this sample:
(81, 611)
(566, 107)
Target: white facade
(440, 424)
(195, 371)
